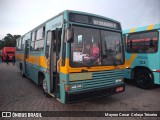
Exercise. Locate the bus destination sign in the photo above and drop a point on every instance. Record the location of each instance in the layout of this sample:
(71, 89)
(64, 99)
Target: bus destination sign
(94, 21)
(104, 23)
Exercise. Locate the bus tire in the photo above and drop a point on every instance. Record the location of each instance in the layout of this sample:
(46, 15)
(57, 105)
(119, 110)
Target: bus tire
(44, 87)
(144, 79)
(22, 72)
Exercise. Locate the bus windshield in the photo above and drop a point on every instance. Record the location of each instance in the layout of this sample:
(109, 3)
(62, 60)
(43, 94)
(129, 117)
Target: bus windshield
(94, 47)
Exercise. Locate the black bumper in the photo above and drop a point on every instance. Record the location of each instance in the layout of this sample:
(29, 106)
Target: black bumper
(93, 93)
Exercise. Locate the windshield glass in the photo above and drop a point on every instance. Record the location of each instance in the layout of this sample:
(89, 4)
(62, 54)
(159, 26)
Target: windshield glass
(93, 47)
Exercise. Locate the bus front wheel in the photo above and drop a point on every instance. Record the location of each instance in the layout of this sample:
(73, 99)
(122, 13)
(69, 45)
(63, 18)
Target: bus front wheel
(144, 79)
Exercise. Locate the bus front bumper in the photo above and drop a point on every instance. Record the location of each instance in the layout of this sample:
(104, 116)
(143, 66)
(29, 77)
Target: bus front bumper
(94, 93)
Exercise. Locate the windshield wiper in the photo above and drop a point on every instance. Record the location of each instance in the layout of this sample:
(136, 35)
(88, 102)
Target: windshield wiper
(90, 63)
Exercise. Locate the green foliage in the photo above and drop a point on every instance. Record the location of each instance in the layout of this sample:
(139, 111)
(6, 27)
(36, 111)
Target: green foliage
(1, 44)
(9, 41)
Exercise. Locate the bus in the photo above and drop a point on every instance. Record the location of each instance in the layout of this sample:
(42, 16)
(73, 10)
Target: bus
(143, 55)
(74, 56)
(10, 51)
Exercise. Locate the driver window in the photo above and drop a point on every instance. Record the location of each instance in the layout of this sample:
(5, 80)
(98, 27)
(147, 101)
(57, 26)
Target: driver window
(86, 47)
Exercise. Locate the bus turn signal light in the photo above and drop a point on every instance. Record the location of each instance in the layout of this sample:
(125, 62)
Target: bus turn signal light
(67, 87)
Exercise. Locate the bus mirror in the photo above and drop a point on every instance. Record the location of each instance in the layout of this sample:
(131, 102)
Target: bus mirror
(69, 35)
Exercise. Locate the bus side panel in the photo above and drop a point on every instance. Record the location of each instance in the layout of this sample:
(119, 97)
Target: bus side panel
(30, 70)
(157, 74)
(130, 59)
(148, 61)
(33, 74)
(18, 63)
(33, 71)
(127, 74)
(156, 77)
(63, 77)
(153, 64)
(47, 77)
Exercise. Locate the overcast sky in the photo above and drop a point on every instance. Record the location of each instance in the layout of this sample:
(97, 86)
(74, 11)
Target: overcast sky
(20, 16)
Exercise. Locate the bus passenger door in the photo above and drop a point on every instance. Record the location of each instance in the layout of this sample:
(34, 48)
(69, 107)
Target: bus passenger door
(26, 55)
(57, 46)
(54, 57)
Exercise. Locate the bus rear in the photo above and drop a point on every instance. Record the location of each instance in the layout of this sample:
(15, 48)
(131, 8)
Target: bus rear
(142, 55)
(10, 51)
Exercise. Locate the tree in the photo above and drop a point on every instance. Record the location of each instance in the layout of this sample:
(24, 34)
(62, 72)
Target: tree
(10, 40)
(1, 44)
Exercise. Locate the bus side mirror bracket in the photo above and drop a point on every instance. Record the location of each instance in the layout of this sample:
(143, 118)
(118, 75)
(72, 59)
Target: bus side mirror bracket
(47, 54)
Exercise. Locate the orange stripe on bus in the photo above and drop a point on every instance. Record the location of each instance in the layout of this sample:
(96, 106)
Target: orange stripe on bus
(132, 30)
(67, 69)
(130, 61)
(150, 27)
(38, 60)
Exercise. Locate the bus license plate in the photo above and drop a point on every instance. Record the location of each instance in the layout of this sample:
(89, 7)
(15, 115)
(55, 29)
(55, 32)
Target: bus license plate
(119, 89)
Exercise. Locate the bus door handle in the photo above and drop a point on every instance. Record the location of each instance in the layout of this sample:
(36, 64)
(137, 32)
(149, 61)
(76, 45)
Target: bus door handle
(58, 66)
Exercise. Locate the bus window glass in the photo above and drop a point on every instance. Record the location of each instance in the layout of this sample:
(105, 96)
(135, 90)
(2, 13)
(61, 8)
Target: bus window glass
(43, 33)
(85, 50)
(48, 42)
(23, 40)
(18, 48)
(17, 43)
(33, 36)
(39, 34)
(145, 42)
(20, 42)
(39, 45)
(32, 46)
(111, 48)
(22, 47)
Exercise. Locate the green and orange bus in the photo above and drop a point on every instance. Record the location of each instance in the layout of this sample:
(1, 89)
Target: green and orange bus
(74, 56)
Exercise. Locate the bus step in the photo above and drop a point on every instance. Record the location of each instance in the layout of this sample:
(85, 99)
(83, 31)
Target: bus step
(58, 99)
(52, 94)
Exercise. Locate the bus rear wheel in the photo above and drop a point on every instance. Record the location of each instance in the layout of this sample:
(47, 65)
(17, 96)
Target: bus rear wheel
(144, 79)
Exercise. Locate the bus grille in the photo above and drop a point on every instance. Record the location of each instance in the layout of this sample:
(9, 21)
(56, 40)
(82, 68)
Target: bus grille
(103, 78)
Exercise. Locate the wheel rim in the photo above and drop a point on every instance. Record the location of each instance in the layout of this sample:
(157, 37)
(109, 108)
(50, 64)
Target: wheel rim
(45, 85)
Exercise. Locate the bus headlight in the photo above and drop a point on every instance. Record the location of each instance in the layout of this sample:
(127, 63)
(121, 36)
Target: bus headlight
(118, 80)
(76, 86)
(79, 85)
(73, 87)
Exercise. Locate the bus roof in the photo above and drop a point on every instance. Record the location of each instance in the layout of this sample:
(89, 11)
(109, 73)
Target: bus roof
(92, 14)
(142, 28)
(65, 11)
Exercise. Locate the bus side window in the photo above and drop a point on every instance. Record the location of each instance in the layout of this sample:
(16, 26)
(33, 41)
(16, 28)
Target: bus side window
(48, 42)
(63, 54)
(63, 50)
(59, 41)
